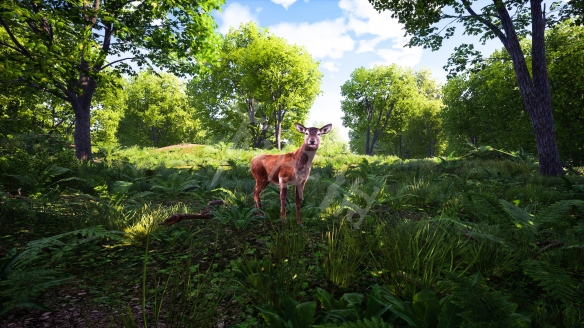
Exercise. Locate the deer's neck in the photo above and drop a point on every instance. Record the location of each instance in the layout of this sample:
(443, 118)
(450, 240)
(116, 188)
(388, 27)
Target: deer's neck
(304, 158)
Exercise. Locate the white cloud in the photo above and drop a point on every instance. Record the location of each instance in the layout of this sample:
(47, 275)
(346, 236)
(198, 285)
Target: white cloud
(330, 66)
(284, 3)
(400, 56)
(234, 15)
(327, 38)
(364, 19)
(368, 45)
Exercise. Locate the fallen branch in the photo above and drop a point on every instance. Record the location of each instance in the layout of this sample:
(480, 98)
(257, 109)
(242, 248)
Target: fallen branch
(206, 214)
(550, 245)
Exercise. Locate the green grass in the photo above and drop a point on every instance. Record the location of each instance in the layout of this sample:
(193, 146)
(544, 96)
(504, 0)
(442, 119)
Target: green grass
(472, 227)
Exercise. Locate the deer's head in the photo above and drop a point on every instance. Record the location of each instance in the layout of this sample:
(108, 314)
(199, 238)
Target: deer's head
(312, 135)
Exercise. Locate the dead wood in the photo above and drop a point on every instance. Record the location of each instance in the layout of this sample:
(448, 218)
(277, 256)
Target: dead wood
(206, 214)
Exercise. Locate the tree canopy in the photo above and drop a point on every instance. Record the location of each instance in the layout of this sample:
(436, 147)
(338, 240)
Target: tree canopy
(484, 107)
(261, 80)
(392, 110)
(66, 47)
(429, 23)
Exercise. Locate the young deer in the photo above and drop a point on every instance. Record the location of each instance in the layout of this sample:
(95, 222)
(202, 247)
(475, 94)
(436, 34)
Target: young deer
(287, 169)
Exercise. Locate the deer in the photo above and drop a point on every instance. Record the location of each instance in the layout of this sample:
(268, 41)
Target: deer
(288, 169)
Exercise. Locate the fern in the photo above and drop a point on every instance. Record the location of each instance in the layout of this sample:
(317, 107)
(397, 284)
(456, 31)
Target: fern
(64, 242)
(522, 219)
(483, 307)
(365, 323)
(555, 281)
(556, 211)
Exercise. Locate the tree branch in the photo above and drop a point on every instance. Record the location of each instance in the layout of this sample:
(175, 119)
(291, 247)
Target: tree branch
(116, 61)
(487, 23)
(20, 48)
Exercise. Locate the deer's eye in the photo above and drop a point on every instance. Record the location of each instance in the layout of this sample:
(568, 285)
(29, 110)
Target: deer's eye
(306, 133)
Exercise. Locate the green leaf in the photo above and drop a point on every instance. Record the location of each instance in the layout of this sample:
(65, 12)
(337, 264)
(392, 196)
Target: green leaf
(306, 312)
(448, 316)
(426, 306)
(29, 304)
(270, 314)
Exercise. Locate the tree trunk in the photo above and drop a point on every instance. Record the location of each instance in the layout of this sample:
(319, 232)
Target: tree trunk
(368, 148)
(535, 91)
(279, 135)
(81, 105)
(82, 135)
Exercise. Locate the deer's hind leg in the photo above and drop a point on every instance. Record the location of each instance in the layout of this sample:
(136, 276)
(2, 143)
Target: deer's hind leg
(257, 191)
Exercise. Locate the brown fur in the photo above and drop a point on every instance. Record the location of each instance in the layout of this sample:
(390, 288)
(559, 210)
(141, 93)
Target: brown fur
(287, 169)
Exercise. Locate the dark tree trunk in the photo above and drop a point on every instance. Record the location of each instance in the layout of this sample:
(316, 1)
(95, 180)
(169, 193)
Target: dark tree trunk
(535, 91)
(82, 135)
(279, 135)
(368, 148)
(81, 105)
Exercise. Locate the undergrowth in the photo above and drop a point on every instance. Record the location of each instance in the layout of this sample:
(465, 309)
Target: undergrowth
(482, 241)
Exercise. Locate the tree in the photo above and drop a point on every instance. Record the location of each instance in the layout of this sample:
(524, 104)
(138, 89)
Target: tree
(565, 50)
(107, 110)
(291, 81)
(228, 92)
(260, 79)
(494, 21)
(374, 101)
(484, 108)
(157, 113)
(66, 47)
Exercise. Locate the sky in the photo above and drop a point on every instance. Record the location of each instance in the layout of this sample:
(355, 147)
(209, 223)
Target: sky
(343, 35)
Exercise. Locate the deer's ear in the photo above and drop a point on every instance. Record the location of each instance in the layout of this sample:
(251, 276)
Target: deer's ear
(300, 127)
(326, 129)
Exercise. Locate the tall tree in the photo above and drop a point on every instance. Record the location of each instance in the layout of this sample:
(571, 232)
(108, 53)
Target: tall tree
(229, 91)
(261, 79)
(421, 21)
(484, 107)
(157, 113)
(375, 100)
(64, 47)
(290, 81)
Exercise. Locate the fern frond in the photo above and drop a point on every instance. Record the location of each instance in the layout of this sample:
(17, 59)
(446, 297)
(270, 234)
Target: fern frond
(484, 307)
(365, 323)
(558, 210)
(555, 281)
(81, 236)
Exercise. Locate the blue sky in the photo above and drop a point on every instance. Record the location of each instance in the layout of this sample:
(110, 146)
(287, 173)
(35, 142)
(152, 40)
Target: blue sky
(343, 35)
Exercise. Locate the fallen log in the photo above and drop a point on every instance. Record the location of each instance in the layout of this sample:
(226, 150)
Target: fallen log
(206, 214)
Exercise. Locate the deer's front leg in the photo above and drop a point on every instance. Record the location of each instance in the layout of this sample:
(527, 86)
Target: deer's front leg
(299, 197)
(283, 194)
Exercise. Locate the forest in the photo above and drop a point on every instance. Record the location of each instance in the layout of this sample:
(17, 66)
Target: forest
(126, 198)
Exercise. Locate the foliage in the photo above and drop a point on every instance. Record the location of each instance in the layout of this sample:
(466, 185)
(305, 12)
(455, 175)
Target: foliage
(108, 109)
(483, 107)
(20, 284)
(291, 314)
(63, 48)
(392, 110)
(423, 24)
(157, 113)
(261, 87)
(482, 240)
